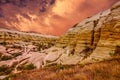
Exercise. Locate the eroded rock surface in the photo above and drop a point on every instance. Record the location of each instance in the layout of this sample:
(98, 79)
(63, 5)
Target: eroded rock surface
(94, 39)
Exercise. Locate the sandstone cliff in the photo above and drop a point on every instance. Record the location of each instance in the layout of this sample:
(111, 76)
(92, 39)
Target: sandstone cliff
(13, 37)
(96, 38)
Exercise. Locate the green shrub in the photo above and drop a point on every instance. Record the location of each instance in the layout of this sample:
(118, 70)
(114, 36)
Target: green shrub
(5, 69)
(27, 67)
(16, 47)
(50, 45)
(3, 43)
(17, 54)
(61, 66)
(9, 76)
(81, 65)
(55, 50)
(111, 53)
(4, 58)
(54, 64)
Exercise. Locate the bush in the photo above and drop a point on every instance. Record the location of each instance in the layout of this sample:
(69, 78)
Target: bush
(27, 67)
(55, 50)
(112, 53)
(9, 76)
(5, 70)
(17, 54)
(16, 47)
(4, 58)
(3, 43)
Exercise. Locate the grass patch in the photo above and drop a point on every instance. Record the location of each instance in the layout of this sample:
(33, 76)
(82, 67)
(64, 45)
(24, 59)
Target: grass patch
(4, 58)
(96, 71)
(27, 67)
(57, 67)
(11, 75)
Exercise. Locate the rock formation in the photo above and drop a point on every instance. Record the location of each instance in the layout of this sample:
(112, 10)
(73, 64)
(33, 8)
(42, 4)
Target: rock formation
(10, 36)
(94, 39)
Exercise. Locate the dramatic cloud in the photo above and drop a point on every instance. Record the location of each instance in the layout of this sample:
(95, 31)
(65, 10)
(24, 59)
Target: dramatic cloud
(48, 16)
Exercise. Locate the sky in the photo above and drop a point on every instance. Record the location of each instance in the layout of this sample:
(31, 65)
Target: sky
(53, 17)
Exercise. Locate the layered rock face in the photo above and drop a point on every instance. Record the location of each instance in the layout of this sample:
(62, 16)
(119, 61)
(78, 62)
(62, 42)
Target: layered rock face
(95, 38)
(12, 37)
(18, 49)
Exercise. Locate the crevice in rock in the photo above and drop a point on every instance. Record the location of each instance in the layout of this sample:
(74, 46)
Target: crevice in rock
(117, 51)
(47, 62)
(93, 32)
(95, 37)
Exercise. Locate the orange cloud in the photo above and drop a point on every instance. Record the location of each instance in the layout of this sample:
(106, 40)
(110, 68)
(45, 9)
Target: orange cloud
(74, 11)
(56, 19)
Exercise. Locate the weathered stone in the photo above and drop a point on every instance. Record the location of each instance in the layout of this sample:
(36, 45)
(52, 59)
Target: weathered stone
(94, 39)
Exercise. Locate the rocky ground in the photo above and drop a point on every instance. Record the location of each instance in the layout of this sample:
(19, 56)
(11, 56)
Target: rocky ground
(96, 71)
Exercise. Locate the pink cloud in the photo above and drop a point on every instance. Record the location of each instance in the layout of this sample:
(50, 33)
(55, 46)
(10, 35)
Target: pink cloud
(57, 19)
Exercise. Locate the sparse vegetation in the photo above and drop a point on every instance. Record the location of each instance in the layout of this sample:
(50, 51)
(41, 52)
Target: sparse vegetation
(116, 52)
(16, 47)
(108, 70)
(5, 70)
(50, 45)
(3, 43)
(27, 67)
(17, 54)
(112, 53)
(4, 58)
(57, 67)
(39, 47)
(9, 76)
(55, 50)
(42, 46)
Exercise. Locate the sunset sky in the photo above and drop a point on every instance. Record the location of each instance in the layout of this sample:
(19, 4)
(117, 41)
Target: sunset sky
(52, 17)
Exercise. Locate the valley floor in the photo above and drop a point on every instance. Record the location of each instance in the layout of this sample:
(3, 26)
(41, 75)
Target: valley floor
(107, 70)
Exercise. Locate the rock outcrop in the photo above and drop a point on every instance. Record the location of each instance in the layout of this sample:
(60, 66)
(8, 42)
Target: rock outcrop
(10, 36)
(18, 48)
(95, 38)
